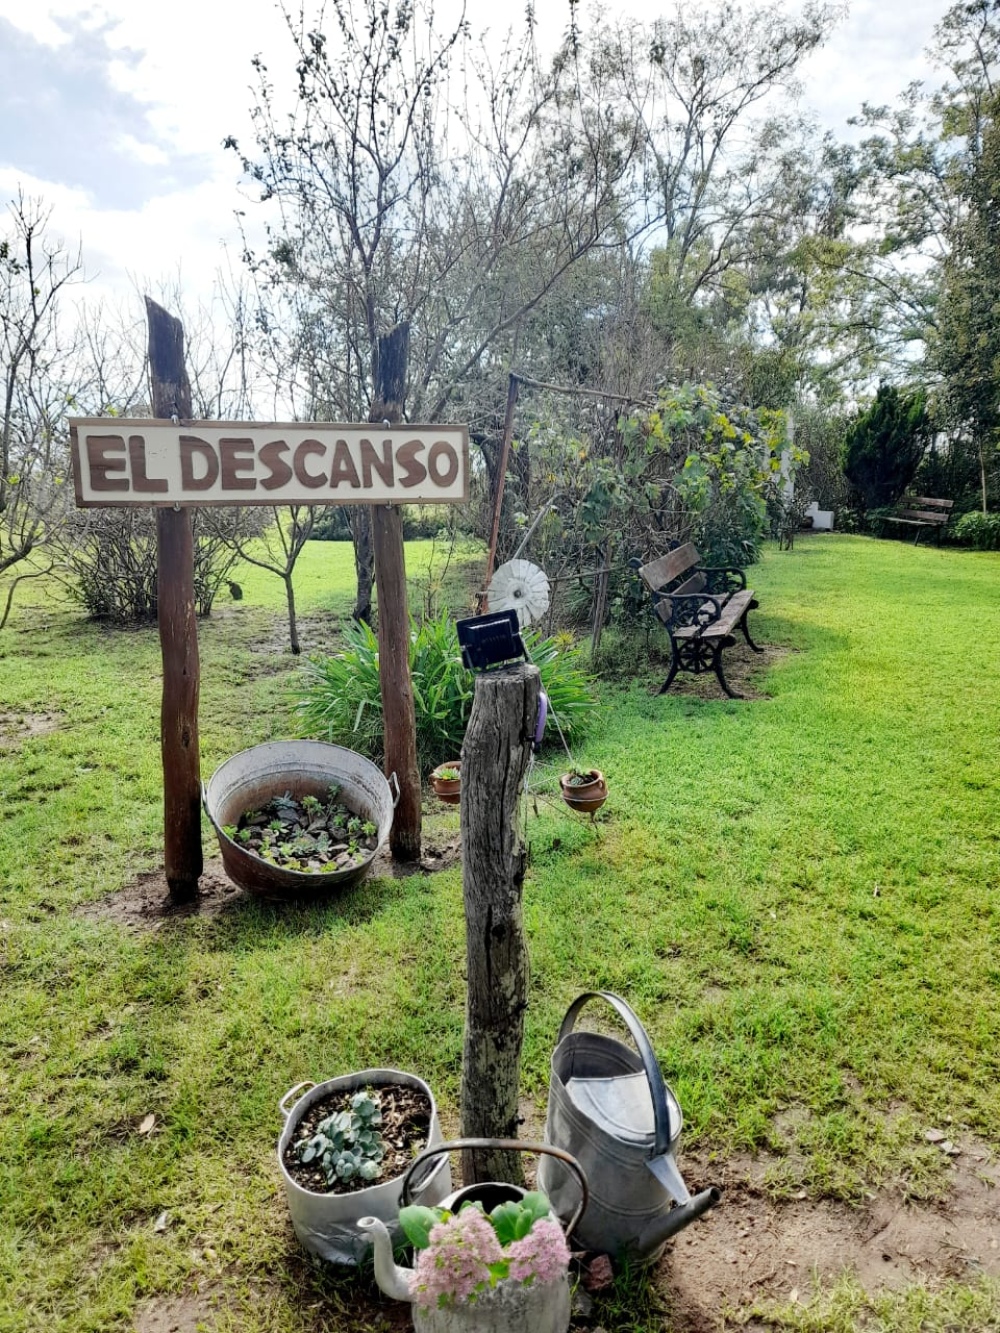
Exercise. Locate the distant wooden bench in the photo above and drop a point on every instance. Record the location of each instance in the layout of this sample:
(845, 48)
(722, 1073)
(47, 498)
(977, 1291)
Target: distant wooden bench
(699, 608)
(920, 512)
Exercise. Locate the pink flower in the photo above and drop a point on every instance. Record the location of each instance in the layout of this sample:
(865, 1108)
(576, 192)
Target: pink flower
(541, 1256)
(456, 1263)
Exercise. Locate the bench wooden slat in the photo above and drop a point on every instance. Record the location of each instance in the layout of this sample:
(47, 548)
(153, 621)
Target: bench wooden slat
(694, 584)
(918, 516)
(661, 572)
(926, 500)
(731, 613)
(733, 609)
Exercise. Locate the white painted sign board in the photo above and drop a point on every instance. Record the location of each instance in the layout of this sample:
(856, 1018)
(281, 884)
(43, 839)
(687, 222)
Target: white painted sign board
(198, 463)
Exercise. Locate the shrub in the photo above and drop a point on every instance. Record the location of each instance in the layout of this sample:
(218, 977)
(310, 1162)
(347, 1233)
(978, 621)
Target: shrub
(981, 531)
(111, 556)
(883, 447)
(341, 699)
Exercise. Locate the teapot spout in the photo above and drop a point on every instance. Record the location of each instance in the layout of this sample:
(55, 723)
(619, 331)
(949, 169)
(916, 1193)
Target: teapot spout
(392, 1279)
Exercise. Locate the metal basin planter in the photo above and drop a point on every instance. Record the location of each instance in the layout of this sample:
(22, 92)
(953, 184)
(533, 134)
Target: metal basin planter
(305, 768)
(327, 1224)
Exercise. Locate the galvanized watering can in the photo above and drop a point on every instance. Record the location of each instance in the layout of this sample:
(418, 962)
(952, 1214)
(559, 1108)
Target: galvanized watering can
(610, 1108)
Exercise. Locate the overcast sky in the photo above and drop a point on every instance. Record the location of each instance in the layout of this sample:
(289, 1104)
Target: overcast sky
(114, 114)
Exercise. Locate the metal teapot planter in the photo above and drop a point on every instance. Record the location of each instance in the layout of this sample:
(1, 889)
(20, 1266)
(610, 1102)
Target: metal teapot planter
(327, 1224)
(610, 1108)
(508, 1307)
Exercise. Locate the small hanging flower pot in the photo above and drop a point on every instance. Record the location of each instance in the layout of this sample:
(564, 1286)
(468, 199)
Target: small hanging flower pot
(446, 781)
(584, 789)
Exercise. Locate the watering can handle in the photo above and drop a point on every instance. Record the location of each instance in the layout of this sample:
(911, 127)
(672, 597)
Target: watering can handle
(657, 1088)
(512, 1145)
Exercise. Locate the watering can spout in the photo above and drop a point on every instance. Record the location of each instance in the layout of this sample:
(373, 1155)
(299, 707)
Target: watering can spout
(662, 1228)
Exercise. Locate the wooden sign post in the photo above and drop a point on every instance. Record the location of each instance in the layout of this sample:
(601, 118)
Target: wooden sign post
(180, 755)
(175, 464)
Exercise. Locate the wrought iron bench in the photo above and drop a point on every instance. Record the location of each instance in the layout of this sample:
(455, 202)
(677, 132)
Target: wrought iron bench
(920, 512)
(700, 608)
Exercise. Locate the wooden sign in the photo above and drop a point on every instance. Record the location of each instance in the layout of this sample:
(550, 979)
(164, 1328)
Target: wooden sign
(196, 463)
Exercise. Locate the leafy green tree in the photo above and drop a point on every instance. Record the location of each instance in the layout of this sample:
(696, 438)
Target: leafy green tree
(396, 195)
(884, 446)
(39, 372)
(967, 351)
(692, 82)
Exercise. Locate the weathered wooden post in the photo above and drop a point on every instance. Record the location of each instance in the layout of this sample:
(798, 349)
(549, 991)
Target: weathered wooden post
(495, 755)
(398, 713)
(182, 853)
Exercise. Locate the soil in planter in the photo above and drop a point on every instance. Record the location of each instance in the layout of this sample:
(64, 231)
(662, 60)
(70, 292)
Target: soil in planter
(310, 835)
(406, 1119)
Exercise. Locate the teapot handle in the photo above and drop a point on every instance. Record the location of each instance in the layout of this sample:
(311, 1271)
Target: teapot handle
(511, 1145)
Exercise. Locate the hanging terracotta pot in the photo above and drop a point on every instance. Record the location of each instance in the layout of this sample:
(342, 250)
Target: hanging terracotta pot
(446, 782)
(584, 789)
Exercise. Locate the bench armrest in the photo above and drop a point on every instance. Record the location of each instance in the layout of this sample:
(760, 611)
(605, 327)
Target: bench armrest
(685, 609)
(723, 578)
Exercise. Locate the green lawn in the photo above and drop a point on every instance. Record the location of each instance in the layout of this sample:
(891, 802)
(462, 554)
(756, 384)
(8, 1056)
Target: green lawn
(797, 893)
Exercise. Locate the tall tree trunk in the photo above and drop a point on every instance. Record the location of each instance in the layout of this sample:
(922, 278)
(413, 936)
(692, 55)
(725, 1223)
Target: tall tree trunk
(359, 518)
(495, 755)
(513, 388)
(293, 624)
(398, 713)
(982, 474)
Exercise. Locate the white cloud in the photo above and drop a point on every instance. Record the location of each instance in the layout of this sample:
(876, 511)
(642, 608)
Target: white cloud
(178, 79)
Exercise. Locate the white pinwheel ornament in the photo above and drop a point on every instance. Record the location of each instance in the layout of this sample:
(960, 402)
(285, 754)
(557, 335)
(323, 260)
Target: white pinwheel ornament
(522, 587)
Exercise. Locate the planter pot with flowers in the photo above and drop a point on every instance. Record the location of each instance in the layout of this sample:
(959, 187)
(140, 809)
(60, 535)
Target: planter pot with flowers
(446, 782)
(584, 789)
(491, 1259)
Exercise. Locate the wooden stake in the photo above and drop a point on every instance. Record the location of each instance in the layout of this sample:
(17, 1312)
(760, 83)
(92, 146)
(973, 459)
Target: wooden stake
(495, 756)
(182, 855)
(398, 714)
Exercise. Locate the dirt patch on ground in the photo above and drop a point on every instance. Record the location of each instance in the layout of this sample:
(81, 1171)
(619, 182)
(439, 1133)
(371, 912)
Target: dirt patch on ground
(320, 632)
(749, 1252)
(752, 1249)
(15, 728)
(742, 668)
(175, 1314)
(439, 854)
(144, 903)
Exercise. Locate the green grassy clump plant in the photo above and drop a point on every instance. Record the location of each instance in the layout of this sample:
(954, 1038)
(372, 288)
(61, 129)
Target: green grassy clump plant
(341, 699)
